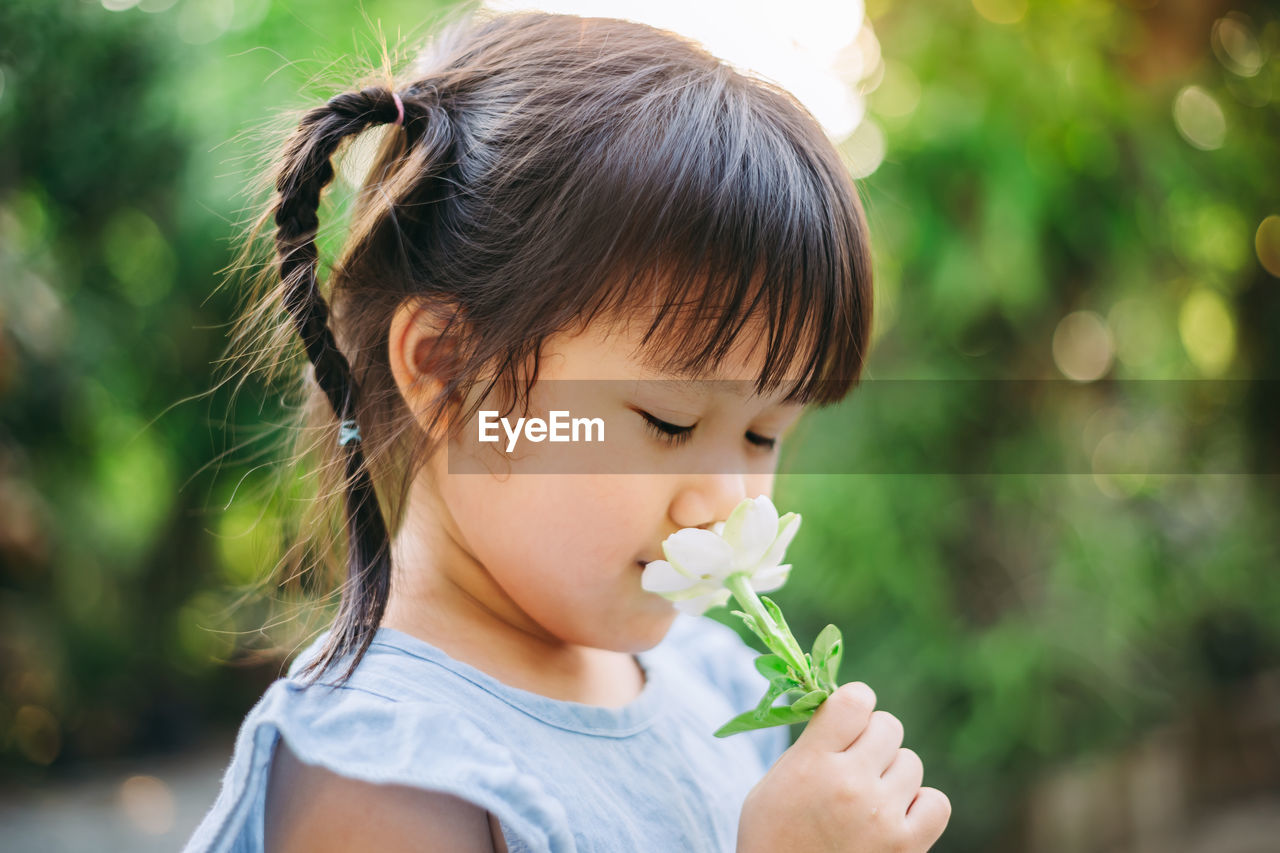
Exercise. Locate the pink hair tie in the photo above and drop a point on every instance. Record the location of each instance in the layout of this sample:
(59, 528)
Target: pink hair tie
(399, 108)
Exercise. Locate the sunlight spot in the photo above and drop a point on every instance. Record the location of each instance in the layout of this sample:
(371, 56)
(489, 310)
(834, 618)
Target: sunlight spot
(863, 150)
(201, 21)
(899, 91)
(37, 734)
(818, 50)
(1001, 11)
(1199, 118)
(148, 804)
(1267, 244)
(1235, 45)
(1082, 346)
(1208, 331)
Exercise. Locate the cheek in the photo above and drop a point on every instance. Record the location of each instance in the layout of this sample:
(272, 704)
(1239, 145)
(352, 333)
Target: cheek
(495, 519)
(556, 529)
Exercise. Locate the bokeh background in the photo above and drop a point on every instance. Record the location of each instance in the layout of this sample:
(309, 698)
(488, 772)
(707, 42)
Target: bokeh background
(1067, 192)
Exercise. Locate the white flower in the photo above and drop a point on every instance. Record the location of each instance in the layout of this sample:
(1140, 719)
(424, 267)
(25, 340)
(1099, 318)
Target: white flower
(751, 541)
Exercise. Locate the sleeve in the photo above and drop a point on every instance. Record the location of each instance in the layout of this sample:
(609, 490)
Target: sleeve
(729, 662)
(358, 734)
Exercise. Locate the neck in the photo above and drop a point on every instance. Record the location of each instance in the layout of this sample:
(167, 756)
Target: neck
(441, 594)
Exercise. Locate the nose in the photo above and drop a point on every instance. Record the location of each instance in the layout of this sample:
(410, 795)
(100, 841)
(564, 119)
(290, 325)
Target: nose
(709, 498)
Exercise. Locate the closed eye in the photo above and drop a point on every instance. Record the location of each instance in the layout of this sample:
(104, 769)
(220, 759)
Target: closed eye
(669, 433)
(675, 435)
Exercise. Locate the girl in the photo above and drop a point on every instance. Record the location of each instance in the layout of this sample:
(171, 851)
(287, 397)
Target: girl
(560, 199)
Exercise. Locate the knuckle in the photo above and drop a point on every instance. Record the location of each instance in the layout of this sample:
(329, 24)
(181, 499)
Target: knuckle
(854, 695)
(945, 802)
(939, 803)
(895, 835)
(889, 723)
(911, 759)
(850, 793)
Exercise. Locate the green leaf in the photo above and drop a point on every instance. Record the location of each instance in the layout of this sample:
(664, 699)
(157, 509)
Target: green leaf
(809, 702)
(776, 689)
(776, 612)
(827, 651)
(750, 622)
(780, 716)
(774, 668)
(828, 638)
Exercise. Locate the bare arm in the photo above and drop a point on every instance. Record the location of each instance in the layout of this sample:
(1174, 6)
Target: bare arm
(310, 808)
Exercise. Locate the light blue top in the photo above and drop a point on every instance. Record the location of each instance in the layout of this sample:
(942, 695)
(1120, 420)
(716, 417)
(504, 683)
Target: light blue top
(559, 776)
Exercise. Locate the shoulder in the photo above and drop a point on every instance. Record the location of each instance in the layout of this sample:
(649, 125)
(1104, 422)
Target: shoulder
(378, 737)
(381, 756)
(311, 808)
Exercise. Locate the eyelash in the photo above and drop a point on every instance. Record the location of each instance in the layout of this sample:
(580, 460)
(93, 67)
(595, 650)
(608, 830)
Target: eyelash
(677, 435)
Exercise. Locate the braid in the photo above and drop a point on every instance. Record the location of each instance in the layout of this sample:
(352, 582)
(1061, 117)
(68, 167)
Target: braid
(306, 170)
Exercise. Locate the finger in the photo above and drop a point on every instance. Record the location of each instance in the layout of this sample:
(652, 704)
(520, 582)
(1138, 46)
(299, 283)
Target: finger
(840, 719)
(877, 746)
(904, 776)
(928, 815)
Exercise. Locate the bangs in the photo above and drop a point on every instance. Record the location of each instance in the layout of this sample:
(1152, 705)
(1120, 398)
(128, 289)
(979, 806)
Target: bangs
(734, 210)
(627, 174)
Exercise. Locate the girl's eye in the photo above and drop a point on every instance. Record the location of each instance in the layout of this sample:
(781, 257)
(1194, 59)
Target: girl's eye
(670, 433)
(674, 435)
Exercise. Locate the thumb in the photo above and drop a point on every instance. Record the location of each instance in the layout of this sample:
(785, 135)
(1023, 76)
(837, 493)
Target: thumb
(840, 719)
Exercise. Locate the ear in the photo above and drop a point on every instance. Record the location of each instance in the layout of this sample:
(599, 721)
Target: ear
(422, 354)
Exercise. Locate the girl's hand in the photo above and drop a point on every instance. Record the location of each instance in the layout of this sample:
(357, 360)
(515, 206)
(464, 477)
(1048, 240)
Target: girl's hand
(844, 786)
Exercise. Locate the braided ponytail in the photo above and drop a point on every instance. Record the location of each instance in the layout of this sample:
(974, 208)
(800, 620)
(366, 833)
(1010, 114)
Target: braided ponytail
(306, 170)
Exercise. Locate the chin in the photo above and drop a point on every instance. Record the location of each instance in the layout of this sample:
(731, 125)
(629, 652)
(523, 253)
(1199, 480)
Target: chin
(640, 635)
(656, 630)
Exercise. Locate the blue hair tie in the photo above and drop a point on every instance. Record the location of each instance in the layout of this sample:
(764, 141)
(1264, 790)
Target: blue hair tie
(348, 432)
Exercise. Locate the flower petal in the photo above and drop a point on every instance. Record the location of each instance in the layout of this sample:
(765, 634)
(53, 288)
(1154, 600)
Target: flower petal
(732, 531)
(703, 603)
(750, 529)
(787, 527)
(770, 579)
(698, 589)
(698, 553)
(660, 576)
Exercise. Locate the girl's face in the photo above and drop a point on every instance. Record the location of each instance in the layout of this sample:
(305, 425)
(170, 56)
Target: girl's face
(554, 540)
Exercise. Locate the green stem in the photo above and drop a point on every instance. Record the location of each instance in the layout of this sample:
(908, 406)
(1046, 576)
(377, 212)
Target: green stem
(784, 645)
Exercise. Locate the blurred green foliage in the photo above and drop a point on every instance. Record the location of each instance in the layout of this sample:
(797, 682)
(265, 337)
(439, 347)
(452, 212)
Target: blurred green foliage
(1035, 170)
(1107, 163)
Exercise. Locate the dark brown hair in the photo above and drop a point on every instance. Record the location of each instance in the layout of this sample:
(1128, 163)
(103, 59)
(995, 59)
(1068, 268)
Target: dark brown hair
(550, 169)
